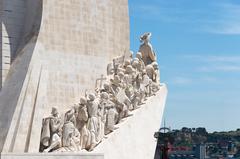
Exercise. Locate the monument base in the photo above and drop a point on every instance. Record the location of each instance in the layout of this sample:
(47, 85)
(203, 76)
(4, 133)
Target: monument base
(133, 140)
(53, 156)
(135, 137)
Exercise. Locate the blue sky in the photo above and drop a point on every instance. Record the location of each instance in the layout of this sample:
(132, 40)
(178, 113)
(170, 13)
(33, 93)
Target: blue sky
(198, 48)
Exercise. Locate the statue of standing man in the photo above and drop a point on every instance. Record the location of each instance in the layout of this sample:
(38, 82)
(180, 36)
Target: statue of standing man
(148, 55)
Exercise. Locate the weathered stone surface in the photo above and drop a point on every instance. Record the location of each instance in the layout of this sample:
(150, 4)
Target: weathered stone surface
(53, 156)
(58, 62)
(134, 138)
(64, 46)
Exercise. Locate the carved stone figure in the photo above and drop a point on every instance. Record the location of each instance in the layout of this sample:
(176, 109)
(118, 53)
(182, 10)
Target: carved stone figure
(128, 55)
(143, 84)
(141, 65)
(148, 55)
(155, 87)
(156, 77)
(115, 83)
(123, 104)
(110, 114)
(136, 99)
(149, 88)
(126, 63)
(101, 119)
(151, 72)
(71, 136)
(93, 121)
(127, 85)
(121, 76)
(82, 120)
(130, 78)
(117, 62)
(51, 132)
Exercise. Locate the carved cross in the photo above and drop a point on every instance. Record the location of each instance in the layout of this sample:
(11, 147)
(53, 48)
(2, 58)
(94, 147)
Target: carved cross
(101, 81)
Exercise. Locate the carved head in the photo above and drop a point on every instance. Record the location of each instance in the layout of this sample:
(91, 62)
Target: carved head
(155, 65)
(126, 63)
(145, 37)
(83, 100)
(131, 54)
(104, 95)
(149, 69)
(120, 74)
(70, 113)
(91, 96)
(54, 111)
(144, 71)
(106, 86)
(129, 69)
(135, 64)
(139, 55)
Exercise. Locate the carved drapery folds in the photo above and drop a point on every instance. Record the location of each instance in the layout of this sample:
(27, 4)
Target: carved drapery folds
(128, 84)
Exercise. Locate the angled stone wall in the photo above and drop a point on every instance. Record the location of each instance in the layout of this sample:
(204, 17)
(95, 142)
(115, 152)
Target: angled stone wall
(12, 23)
(135, 137)
(58, 62)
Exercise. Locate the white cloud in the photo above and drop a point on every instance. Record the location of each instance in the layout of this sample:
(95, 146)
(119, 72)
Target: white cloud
(214, 58)
(227, 20)
(214, 63)
(221, 68)
(181, 81)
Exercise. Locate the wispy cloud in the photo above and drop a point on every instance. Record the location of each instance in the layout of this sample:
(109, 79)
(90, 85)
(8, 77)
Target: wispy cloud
(213, 63)
(181, 81)
(222, 68)
(212, 17)
(227, 21)
(214, 58)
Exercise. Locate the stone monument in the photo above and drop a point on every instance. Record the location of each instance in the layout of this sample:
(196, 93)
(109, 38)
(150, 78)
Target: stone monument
(70, 85)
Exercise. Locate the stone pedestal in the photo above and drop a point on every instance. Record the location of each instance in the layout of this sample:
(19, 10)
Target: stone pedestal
(53, 156)
(133, 140)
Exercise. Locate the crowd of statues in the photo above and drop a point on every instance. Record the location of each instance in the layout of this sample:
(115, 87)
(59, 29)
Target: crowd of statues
(129, 82)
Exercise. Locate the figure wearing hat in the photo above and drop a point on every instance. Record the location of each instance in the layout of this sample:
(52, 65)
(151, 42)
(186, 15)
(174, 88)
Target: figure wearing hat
(51, 132)
(148, 55)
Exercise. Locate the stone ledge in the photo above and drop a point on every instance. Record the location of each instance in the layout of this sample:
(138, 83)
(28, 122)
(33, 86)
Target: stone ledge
(52, 156)
(134, 139)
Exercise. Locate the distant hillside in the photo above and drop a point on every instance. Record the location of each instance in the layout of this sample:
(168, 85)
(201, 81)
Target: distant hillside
(189, 136)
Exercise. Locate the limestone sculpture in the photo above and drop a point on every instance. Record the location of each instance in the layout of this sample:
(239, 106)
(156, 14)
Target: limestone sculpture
(82, 119)
(128, 84)
(146, 49)
(51, 137)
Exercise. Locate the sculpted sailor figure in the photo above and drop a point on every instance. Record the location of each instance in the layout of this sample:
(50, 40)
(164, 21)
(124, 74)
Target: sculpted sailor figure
(141, 63)
(148, 55)
(71, 135)
(110, 114)
(153, 72)
(129, 82)
(101, 115)
(93, 120)
(82, 119)
(156, 72)
(51, 132)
